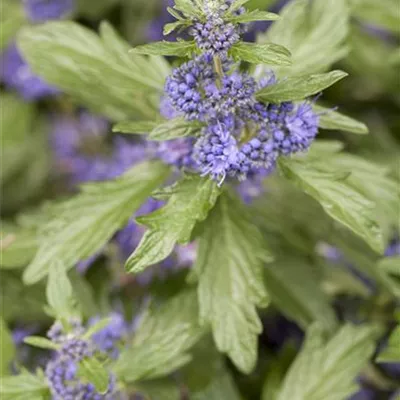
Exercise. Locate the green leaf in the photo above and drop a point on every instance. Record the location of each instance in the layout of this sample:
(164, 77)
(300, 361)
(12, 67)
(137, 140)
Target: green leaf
(255, 15)
(188, 8)
(15, 135)
(18, 246)
(95, 9)
(168, 28)
(160, 389)
(166, 130)
(277, 371)
(41, 342)
(59, 291)
(314, 32)
(327, 370)
(298, 88)
(77, 61)
(337, 196)
(206, 376)
(270, 53)
(92, 371)
(7, 348)
(391, 353)
(135, 127)
(330, 119)
(391, 265)
(98, 326)
(164, 48)
(11, 18)
(189, 202)
(21, 303)
(25, 386)
(294, 289)
(162, 341)
(229, 269)
(85, 223)
(384, 14)
(83, 294)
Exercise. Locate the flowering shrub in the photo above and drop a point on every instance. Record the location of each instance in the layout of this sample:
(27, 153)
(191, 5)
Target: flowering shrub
(197, 217)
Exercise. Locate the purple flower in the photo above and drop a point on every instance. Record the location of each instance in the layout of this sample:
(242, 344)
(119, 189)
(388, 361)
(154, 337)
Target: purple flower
(109, 338)
(84, 153)
(61, 373)
(17, 75)
(45, 10)
(184, 87)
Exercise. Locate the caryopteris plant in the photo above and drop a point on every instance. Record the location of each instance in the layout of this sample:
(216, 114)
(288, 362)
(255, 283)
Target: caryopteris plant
(195, 218)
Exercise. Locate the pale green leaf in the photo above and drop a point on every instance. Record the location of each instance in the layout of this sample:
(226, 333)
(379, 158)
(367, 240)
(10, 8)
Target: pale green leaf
(59, 291)
(7, 349)
(168, 28)
(329, 119)
(295, 290)
(255, 15)
(15, 135)
(391, 265)
(391, 353)
(98, 326)
(165, 130)
(314, 32)
(96, 75)
(11, 18)
(188, 8)
(229, 269)
(189, 202)
(160, 389)
(384, 14)
(24, 386)
(17, 245)
(41, 342)
(85, 223)
(277, 368)
(135, 127)
(163, 339)
(327, 369)
(91, 370)
(270, 53)
(300, 87)
(337, 196)
(164, 48)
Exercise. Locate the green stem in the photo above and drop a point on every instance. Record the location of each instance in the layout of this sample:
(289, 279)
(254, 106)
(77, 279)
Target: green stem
(218, 70)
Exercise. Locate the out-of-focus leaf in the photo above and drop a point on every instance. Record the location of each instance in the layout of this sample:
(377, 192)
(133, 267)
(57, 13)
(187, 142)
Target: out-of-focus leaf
(327, 369)
(11, 18)
(314, 32)
(7, 349)
(329, 119)
(384, 14)
(92, 371)
(391, 353)
(294, 289)
(84, 66)
(255, 15)
(25, 386)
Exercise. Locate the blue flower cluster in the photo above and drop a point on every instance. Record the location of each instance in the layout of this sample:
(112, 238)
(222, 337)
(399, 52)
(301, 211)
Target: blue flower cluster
(62, 370)
(45, 10)
(109, 338)
(214, 35)
(62, 377)
(241, 135)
